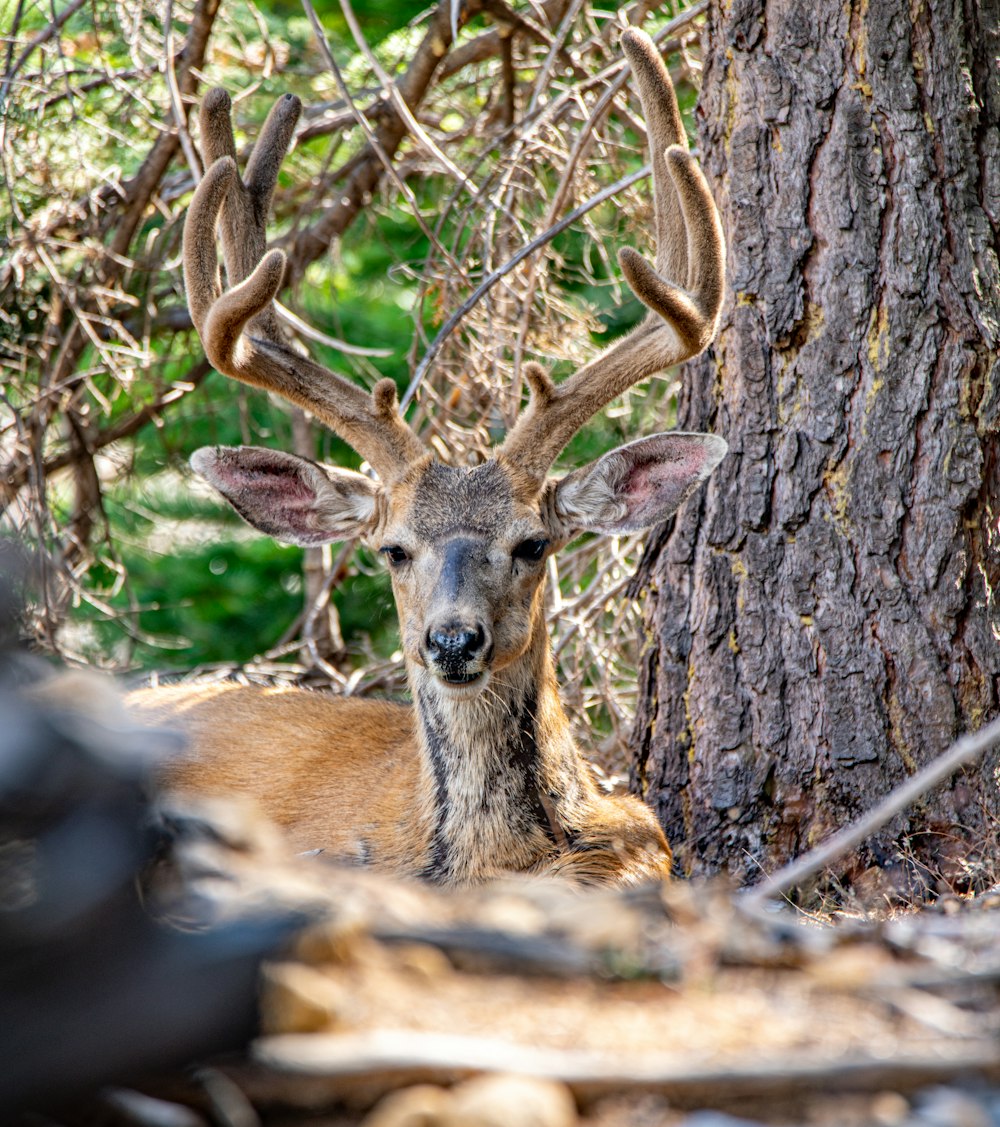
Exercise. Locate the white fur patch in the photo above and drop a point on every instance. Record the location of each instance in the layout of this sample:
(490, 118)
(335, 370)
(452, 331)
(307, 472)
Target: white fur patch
(345, 502)
(589, 499)
(637, 485)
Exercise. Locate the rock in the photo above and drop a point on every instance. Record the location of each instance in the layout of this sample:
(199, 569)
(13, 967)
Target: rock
(485, 1101)
(510, 1101)
(421, 1106)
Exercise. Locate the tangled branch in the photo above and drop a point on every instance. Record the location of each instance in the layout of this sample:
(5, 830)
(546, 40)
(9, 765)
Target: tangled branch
(476, 154)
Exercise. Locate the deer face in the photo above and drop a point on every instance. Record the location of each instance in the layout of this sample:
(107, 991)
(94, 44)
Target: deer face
(467, 558)
(466, 547)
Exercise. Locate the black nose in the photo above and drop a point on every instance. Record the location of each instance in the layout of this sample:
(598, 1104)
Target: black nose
(455, 644)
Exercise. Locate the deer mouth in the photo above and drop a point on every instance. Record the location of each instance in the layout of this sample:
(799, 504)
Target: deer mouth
(461, 686)
(461, 678)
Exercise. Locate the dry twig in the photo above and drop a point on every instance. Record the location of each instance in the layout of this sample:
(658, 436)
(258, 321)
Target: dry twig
(963, 752)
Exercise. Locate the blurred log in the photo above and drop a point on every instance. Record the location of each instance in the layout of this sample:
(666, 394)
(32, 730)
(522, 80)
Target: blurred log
(315, 1071)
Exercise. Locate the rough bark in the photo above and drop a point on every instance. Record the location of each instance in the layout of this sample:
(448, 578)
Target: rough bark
(825, 620)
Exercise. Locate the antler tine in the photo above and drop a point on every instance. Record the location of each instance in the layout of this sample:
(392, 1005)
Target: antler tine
(683, 291)
(244, 217)
(239, 329)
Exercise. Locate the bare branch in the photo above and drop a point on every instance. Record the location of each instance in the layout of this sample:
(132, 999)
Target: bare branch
(414, 126)
(311, 243)
(374, 143)
(17, 477)
(489, 282)
(176, 105)
(50, 31)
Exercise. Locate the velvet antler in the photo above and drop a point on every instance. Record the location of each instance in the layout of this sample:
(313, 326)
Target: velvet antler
(683, 291)
(239, 327)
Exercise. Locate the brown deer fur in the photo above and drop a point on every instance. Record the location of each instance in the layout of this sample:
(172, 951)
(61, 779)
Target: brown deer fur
(481, 775)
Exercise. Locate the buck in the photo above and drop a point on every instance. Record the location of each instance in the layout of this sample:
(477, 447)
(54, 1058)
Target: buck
(481, 775)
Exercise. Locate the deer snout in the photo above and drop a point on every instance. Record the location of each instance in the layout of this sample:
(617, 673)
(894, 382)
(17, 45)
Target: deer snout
(454, 647)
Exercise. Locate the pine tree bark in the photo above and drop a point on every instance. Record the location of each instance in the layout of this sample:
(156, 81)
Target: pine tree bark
(824, 620)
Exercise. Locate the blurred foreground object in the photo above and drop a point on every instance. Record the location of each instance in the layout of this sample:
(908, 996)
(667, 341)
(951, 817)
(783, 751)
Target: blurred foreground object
(91, 989)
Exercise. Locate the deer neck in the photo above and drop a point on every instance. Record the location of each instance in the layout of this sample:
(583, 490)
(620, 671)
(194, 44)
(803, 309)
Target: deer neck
(506, 783)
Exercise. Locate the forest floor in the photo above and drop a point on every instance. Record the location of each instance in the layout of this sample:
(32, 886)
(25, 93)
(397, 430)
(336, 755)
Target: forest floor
(680, 1004)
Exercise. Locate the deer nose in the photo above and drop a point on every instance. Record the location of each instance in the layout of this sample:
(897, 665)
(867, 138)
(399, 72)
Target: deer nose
(455, 644)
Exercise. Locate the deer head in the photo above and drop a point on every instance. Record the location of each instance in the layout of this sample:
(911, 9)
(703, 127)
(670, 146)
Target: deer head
(466, 547)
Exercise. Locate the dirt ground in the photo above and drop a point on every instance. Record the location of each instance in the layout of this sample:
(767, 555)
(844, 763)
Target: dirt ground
(679, 1004)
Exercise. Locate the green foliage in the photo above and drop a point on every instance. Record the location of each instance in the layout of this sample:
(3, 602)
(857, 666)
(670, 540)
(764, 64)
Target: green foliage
(201, 588)
(174, 578)
(195, 602)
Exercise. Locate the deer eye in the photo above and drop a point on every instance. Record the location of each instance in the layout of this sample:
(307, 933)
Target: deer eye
(530, 550)
(395, 554)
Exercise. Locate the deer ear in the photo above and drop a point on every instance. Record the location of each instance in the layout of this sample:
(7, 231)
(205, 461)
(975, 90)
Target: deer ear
(289, 497)
(637, 485)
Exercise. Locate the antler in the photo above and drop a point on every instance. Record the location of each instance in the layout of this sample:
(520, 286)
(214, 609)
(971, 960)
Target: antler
(239, 328)
(684, 291)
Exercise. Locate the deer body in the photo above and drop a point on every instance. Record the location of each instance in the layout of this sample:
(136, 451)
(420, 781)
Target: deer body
(482, 775)
(459, 787)
(320, 767)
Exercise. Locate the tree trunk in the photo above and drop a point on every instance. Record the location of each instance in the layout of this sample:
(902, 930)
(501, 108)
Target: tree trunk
(824, 620)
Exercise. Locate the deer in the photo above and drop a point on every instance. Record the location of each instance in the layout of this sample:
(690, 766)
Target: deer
(480, 776)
